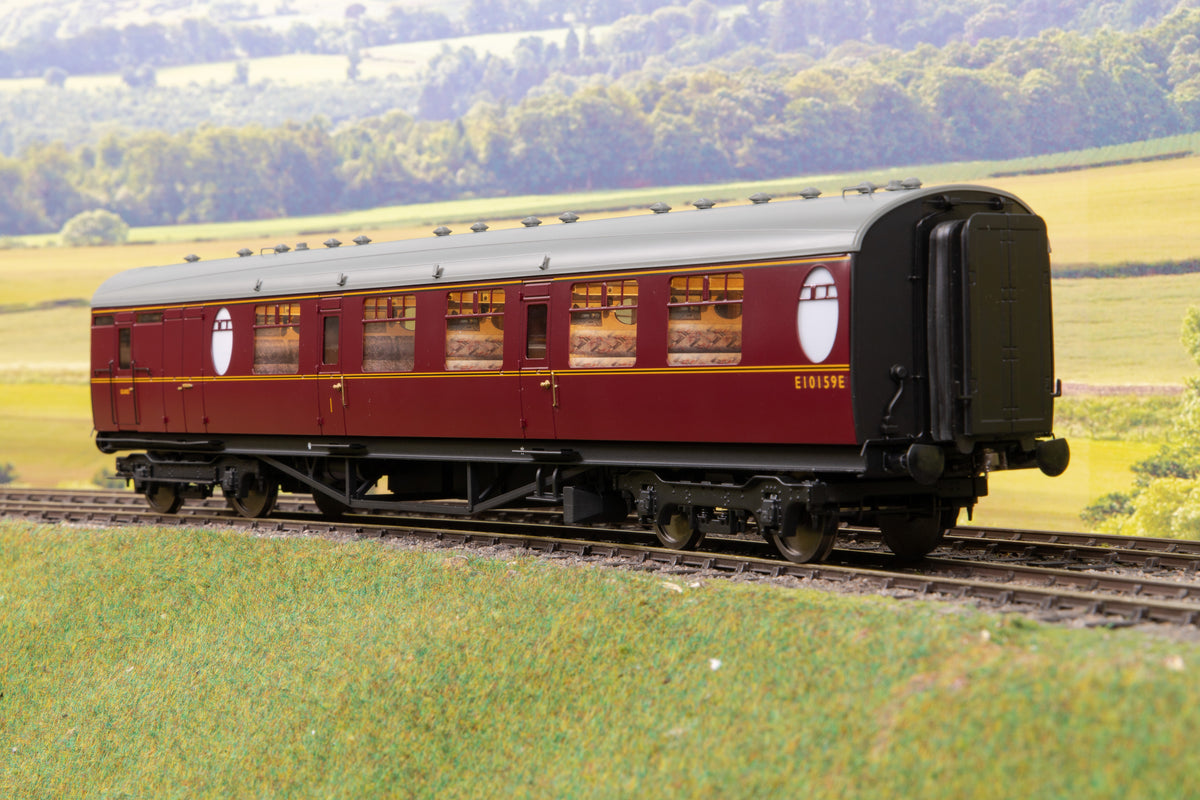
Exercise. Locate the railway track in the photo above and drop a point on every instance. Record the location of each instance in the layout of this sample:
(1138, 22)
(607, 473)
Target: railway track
(1080, 578)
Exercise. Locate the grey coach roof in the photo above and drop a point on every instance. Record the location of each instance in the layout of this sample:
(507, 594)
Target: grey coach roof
(827, 225)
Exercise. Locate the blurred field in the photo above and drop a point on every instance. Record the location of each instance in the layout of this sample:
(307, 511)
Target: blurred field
(1113, 331)
(1123, 330)
(1137, 212)
(1028, 499)
(47, 434)
(397, 60)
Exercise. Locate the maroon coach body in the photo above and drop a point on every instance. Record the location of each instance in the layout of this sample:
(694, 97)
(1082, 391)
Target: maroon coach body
(778, 367)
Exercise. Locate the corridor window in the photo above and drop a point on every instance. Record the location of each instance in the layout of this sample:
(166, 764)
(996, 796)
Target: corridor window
(603, 324)
(475, 330)
(277, 339)
(704, 320)
(389, 333)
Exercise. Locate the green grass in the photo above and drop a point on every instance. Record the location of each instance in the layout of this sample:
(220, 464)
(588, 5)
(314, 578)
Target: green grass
(179, 663)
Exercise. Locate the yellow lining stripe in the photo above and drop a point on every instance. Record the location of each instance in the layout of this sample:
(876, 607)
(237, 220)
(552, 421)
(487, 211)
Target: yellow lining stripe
(508, 373)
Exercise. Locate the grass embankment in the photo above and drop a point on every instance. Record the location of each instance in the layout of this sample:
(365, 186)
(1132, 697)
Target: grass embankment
(156, 663)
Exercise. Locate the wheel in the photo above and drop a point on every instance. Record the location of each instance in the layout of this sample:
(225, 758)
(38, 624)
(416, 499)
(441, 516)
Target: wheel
(914, 536)
(258, 502)
(804, 539)
(674, 530)
(164, 498)
(329, 507)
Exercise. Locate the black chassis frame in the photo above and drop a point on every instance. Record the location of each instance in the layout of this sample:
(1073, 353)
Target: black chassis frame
(719, 485)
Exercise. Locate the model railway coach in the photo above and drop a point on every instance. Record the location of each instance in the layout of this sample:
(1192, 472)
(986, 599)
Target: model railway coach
(781, 367)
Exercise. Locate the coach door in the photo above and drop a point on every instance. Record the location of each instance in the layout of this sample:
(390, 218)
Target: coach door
(135, 406)
(539, 383)
(184, 362)
(333, 393)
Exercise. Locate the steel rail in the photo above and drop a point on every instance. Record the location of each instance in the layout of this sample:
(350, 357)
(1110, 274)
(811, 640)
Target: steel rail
(1038, 589)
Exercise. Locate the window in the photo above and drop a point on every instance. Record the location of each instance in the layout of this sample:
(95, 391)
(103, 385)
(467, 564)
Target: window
(277, 339)
(330, 330)
(704, 320)
(104, 319)
(603, 324)
(475, 330)
(149, 318)
(125, 348)
(389, 331)
(535, 331)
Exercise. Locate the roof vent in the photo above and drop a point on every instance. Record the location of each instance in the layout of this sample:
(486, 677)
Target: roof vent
(191, 258)
(866, 187)
(894, 186)
(479, 227)
(361, 240)
(442, 231)
(332, 243)
(531, 222)
(568, 217)
(759, 198)
(341, 280)
(660, 208)
(281, 248)
(810, 193)
(245, 251)
(704, 203)
(911, 183)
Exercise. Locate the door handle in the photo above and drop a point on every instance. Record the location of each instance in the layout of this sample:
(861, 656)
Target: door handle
(183, 386)
(552, 385)
(336, 386)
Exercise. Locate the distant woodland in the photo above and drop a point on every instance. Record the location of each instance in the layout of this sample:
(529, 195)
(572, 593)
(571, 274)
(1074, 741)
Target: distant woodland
(642, 92)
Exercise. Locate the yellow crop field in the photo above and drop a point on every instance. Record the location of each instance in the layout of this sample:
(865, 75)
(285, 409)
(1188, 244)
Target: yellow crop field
(1137, 212)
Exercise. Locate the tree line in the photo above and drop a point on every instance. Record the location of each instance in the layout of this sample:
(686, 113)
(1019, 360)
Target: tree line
(106, 49)
(795, 23)
(752, 113)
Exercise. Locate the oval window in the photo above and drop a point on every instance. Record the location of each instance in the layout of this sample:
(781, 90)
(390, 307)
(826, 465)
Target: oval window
(817, 315)
(222, 341)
